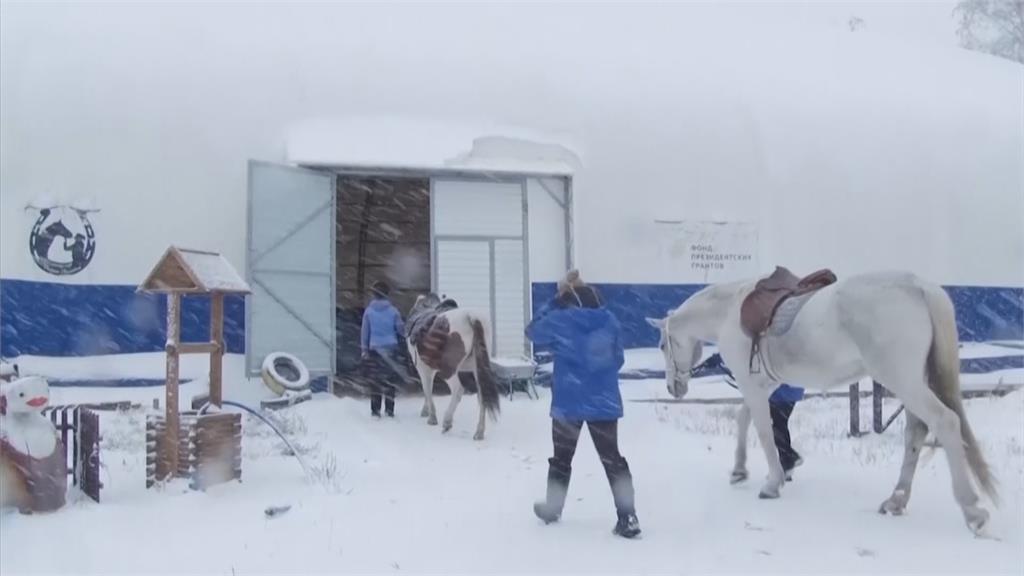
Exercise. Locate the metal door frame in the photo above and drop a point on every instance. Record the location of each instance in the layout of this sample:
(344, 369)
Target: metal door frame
(455, 174)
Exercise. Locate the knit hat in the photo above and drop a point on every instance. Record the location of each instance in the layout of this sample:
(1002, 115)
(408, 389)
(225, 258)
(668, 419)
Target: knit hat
(573, 291)
(380, 288)
(571, 280)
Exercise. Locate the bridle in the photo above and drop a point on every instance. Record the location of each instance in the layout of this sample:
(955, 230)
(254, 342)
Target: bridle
(671, 353)
(728, 377)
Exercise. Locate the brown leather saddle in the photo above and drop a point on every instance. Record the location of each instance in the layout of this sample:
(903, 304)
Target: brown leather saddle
(759, 307)
(430, 332)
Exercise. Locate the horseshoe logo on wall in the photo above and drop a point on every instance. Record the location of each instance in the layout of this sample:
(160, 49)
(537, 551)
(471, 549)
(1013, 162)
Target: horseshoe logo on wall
(62, 241)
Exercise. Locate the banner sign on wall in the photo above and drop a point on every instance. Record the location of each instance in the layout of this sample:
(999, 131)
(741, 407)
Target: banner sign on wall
(704, 252)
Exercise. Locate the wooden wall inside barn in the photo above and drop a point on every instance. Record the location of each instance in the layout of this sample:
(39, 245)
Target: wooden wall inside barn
(383, 234)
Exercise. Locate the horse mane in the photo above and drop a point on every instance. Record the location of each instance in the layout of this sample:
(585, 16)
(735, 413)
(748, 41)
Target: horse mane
(711, 293)
(713, 299)
(425, 301)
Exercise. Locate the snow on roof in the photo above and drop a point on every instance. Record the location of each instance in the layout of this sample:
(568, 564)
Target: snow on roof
(416, 143)
(184, 270)
(213, 271)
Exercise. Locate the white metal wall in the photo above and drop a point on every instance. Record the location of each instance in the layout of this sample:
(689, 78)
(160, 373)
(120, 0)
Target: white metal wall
(549, 218)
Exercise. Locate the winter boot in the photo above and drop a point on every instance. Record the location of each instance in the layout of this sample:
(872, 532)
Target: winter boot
(628, 526)
(621, 481)
(550, 510)
(789, 470)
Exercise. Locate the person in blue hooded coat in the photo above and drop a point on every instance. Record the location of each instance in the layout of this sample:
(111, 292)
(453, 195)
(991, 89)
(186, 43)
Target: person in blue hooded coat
(781, 403)
(586, 342)
(381, 328)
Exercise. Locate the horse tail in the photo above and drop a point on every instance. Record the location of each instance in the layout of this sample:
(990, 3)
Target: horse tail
(487, 384)
(943, 369)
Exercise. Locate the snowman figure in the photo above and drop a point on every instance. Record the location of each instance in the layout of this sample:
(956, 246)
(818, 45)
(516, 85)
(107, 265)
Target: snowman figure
(8, 372)
(33, 466)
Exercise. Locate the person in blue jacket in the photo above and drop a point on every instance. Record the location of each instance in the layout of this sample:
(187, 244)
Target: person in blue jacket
(586, 342)
(382, 325)
(781, 403)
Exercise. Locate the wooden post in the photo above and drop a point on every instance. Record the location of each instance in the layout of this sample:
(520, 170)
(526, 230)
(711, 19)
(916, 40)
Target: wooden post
(216, 337)
(155, 463)
(855, 409)
(878, 393)
(171, 429)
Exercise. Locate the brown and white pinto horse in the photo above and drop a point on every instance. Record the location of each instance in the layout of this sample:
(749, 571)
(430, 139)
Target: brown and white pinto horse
(447, 342)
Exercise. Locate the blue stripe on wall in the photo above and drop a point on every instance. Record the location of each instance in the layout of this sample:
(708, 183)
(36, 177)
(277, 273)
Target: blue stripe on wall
(51, 319)
(982, 313)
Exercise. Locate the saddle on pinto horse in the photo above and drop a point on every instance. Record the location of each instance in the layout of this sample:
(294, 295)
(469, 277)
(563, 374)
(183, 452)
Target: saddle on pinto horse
(759, 307)
(428, 330)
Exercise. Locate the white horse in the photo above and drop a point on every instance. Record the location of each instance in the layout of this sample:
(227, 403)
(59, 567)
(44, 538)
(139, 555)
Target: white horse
(893, 326)
(451, 342)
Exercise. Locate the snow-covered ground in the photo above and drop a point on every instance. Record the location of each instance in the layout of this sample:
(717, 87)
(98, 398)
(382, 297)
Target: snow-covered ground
(150, 366)
(397, 496)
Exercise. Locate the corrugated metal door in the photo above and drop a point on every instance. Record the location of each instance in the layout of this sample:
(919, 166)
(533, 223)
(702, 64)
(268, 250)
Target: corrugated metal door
(291, 266)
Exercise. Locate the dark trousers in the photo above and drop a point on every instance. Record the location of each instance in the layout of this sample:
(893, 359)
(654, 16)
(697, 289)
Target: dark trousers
(605, 434)
(385, 393)
(781, 412)
(382, 370)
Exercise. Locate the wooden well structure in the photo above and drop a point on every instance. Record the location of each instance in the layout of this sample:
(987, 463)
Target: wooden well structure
(204, 447)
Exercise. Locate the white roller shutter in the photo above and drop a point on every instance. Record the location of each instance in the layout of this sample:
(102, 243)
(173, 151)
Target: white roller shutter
(480, 254)
(510, 298)
(475, 208)
(463, 273)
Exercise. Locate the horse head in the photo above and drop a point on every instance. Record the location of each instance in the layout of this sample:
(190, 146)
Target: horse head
(58, 228)
(681, 354)
(426, 301)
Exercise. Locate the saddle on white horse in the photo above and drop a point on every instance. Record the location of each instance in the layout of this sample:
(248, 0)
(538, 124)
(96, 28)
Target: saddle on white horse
(766, 304)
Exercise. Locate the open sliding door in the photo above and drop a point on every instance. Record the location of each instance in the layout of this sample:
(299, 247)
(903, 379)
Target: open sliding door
(291, 266)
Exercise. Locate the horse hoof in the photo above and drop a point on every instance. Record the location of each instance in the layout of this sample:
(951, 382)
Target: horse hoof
(890, 508)
(893, 507)
(478, 436)
(446, 427)
(895, 504)
(424, 413)
(738, 476)
(766, 494)
(432, 421)
(976, 519)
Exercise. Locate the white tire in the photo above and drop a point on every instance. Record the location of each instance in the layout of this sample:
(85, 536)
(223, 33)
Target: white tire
(282, 371)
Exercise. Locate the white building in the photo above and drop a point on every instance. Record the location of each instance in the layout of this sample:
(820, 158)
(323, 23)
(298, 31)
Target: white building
(819, 143)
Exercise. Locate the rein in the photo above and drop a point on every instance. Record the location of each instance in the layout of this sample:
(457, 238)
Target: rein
(728, 379)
